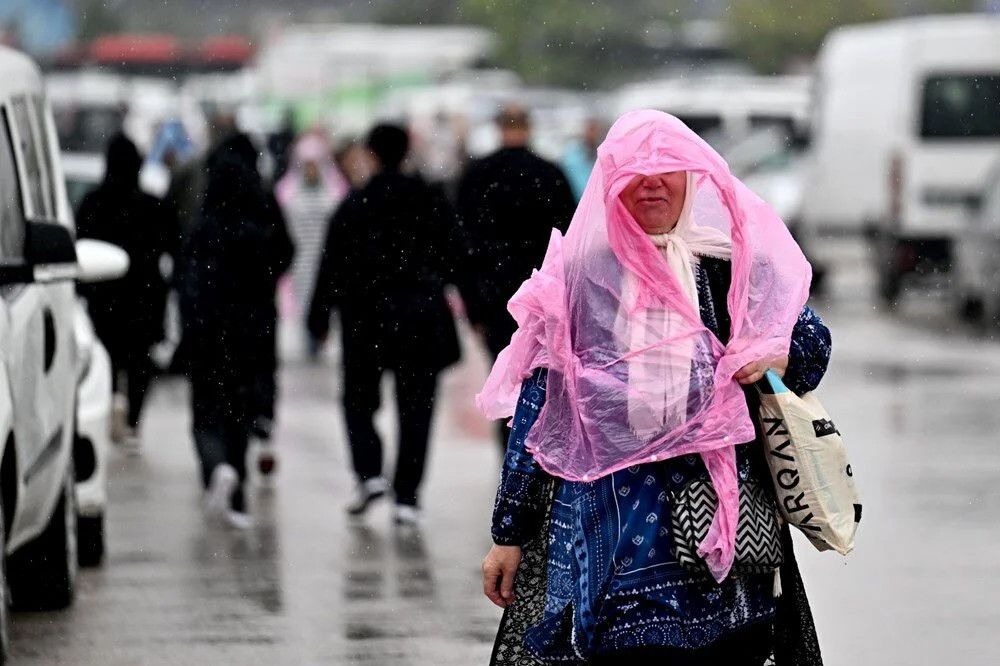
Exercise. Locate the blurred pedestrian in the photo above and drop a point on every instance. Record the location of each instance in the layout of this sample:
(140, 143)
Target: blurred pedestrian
(128, 313)
(240, 147)
(581, 155)
(279, 144)
(390, 250)
(356, 162)
(310, 191)
(509, 202)
(187, 183)
(640, 346)
(233, 259)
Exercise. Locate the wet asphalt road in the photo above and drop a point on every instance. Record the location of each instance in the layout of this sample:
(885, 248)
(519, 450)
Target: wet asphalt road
(916, 397)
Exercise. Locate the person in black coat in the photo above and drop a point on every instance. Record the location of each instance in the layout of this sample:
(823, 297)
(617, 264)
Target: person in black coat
(509, 202)
(391, 248)
(238, 146)
(232, 260)
(128, 313)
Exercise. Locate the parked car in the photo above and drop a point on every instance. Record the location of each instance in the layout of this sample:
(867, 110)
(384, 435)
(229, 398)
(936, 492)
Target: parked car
(723, 107)
(905, 130)
(39, 363)
(94, 407)
(770, 162)
(93, 438)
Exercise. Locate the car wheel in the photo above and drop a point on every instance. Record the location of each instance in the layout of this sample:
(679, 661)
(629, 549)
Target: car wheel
(90, 540)
(42, 573)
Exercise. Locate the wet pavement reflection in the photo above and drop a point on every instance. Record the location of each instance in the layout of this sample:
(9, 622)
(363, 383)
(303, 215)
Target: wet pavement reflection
(918, 403)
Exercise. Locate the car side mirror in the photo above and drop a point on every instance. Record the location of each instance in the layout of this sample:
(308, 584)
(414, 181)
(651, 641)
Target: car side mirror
(50, 252)
(49, 256)
(99, 261)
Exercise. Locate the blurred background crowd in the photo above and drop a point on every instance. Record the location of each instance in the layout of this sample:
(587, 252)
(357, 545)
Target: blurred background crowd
(774, 86)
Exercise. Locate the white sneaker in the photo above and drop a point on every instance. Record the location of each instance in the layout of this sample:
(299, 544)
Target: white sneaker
(239, 520)
(407, 514)
(220, 490)
(368, 491)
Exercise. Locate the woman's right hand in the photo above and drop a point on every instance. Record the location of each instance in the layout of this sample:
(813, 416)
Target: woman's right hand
(499, 569)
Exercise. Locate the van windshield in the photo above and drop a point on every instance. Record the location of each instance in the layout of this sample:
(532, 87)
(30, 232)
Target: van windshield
(961, 106)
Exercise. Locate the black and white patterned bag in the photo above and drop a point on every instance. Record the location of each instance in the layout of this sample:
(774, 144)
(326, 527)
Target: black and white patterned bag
(758, 536)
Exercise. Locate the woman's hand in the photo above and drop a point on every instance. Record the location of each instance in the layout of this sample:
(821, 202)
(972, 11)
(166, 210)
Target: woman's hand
(754, 372)
(499, 569)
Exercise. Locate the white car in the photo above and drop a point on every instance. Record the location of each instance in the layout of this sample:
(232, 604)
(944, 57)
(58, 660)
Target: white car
(81, 173)
(93, 438)
(39, 261)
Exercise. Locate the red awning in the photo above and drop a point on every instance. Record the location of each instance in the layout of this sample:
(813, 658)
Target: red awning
(231, 49)
(114, 49)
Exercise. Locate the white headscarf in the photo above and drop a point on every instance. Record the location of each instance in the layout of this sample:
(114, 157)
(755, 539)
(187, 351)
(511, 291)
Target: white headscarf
(651, 411)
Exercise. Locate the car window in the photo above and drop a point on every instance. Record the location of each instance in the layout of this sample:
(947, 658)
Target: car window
(702, 124)
(87, 129)
(34, 189)
(960, 106)
(11, 212)
(45, 152)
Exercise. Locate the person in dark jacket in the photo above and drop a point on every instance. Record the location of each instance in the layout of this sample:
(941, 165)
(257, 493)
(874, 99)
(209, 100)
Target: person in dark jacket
(390, 249)
(238, 146)
(128, 313)
(232, 261)
(509, 202)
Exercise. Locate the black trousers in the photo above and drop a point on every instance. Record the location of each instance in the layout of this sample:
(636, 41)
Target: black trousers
(749, 647)
(137, 367)
(221, 430)
(415, 393)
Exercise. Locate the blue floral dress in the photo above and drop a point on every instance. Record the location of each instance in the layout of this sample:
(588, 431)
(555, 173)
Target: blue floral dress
(612, 581)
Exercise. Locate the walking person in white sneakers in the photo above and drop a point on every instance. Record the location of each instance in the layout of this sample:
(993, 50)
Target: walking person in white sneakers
(390, 249)
(231, 260)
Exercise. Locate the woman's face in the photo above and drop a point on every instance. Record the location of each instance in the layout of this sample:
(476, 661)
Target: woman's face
(656, 201)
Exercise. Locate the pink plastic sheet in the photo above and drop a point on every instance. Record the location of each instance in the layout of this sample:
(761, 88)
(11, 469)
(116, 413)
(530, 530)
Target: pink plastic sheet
(578, 316)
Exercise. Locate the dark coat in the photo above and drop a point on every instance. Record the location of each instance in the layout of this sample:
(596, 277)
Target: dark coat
(391, 248)
(128, 312)
(509, 202)
(232, 261)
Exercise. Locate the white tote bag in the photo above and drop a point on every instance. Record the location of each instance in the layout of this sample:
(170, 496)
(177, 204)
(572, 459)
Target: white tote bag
(812, 476)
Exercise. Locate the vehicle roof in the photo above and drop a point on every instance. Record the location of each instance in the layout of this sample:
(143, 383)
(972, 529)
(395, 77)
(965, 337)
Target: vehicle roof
(18, 73)
(923, 28)
(719, 94)
(917, 43)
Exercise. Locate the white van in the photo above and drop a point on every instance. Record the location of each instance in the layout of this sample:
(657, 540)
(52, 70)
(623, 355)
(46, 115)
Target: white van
(906, 127)
(38, 350)
(723, 107)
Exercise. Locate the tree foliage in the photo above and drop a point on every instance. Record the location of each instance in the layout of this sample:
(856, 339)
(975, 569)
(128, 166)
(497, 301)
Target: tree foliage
(593, 42)
(97, 18)
(564, 41)
(771, 33)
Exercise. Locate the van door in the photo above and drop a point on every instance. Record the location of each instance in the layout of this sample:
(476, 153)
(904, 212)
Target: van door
(38, 347)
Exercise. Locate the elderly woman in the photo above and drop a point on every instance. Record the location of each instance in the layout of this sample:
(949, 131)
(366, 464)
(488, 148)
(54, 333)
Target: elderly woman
(630, 376)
